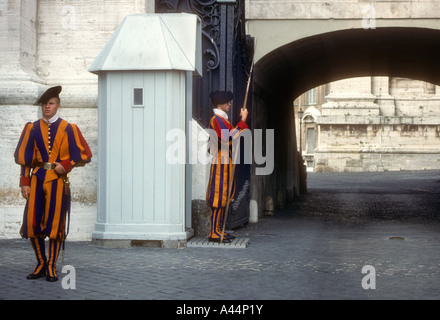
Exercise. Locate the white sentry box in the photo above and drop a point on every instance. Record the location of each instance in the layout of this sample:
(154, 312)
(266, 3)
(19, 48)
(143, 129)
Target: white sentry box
(144, 92)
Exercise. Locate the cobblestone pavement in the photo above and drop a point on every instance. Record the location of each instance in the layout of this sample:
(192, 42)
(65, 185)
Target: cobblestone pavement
(315, 248)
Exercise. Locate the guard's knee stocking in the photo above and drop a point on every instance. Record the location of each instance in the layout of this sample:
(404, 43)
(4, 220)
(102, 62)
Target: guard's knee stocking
(40, 253)
(216, 222)
(54, 250)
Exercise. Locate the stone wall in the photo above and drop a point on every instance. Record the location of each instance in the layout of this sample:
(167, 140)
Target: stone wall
(341, 9)
(374, 124)
(42, 44)
(362, 147)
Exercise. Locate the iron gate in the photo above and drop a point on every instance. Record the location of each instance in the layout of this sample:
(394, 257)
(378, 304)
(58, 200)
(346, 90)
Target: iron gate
(227, 57)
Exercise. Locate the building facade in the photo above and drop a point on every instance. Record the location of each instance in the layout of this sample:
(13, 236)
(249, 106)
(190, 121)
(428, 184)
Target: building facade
(46, 43)
(52, 42)
(370, 124)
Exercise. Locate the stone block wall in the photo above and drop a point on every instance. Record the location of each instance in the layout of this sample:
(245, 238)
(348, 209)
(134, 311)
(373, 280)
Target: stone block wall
(42, 44)
(361, 136)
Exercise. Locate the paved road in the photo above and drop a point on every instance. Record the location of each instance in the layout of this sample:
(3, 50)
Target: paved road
(313, 249)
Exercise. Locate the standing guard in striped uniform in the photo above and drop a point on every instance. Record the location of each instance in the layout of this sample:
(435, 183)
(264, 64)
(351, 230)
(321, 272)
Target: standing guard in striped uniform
(48, 149)
(217, 193)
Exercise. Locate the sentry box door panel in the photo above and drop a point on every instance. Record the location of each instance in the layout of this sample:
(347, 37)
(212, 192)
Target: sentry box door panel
(140, 184)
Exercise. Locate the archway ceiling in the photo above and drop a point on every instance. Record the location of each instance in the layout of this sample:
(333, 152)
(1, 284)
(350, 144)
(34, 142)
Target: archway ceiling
(299, 66)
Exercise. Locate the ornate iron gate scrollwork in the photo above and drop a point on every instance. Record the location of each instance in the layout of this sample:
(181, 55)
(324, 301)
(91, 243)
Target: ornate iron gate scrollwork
(227, 55)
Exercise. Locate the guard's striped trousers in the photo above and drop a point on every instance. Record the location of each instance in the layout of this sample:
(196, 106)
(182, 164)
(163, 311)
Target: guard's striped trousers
(45, 211)
(217, 196)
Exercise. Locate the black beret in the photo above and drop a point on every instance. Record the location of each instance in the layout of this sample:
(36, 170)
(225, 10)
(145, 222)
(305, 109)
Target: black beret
(50, 93)
(221, 97)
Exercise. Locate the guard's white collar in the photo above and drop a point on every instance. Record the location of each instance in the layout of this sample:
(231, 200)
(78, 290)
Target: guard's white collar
(51, 120)
(221, 113)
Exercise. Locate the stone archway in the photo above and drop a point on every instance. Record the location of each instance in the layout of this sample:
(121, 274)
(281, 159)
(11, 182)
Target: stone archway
(284, 73)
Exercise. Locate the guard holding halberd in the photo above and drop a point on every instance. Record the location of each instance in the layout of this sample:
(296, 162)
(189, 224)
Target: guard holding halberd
(221, 185)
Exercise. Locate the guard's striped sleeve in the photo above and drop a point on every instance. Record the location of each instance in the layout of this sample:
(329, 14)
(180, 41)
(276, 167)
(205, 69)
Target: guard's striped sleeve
(79, 150)
(24, 153)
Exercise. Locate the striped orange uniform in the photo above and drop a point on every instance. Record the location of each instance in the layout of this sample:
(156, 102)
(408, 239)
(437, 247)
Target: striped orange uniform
(49, 199)
(221, 171)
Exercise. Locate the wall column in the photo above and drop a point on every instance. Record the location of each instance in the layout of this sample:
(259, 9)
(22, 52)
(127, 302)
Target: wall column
(19, 83)
(381, 89)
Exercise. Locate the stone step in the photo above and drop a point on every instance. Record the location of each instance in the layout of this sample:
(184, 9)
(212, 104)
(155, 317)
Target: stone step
(237, 243)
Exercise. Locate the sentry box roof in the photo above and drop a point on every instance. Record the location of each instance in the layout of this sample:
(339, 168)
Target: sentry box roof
(153, 42)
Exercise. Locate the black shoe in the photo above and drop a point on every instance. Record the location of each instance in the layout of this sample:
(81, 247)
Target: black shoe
(230, 237)
(225, 240)
(51, 279)
(34, 276)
